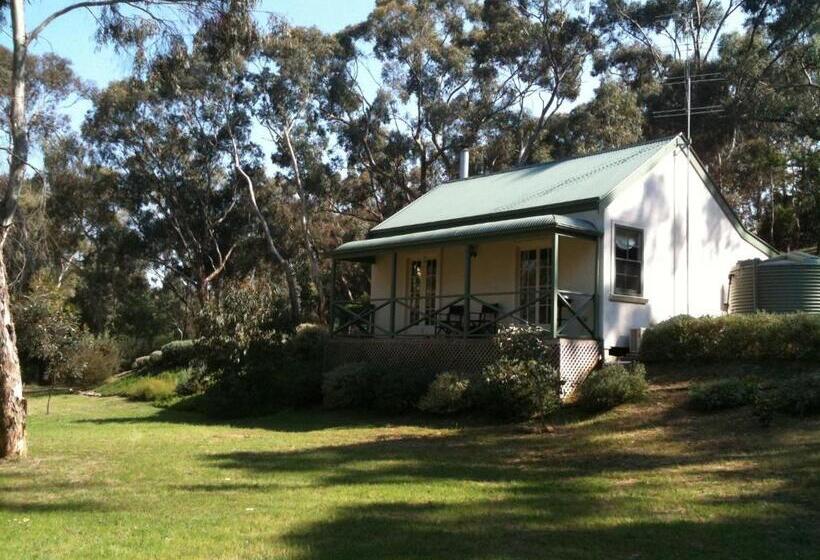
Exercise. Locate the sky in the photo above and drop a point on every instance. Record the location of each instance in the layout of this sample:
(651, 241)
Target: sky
(72, 36)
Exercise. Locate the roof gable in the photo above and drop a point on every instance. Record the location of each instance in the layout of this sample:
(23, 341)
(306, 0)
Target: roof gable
(528, 188)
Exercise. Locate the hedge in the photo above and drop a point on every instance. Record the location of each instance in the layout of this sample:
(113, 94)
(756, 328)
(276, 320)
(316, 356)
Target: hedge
(756, 337)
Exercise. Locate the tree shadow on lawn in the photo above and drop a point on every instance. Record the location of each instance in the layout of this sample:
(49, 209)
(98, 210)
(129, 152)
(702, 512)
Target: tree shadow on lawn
(573, 493)
(297, 421)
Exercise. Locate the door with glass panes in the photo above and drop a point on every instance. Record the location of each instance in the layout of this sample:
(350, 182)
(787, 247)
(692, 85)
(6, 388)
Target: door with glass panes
(535, 286)
(422, 287)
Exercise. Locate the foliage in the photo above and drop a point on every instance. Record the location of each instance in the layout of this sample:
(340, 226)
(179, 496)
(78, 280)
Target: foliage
(524, 343)
(242, 352)
(799, 396)
(399, 390)
(89, 360)
(734, 338)
(611, 385)
(447, 394)
(511, 389)
(351, 385)
(152, 389)
(178, 353)
(722, 394)
(121, 385)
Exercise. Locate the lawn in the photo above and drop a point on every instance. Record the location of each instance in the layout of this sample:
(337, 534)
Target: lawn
(109, 478)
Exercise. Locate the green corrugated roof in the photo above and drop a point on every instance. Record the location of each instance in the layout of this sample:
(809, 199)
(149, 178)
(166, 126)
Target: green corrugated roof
(485, 230)
(532, 187)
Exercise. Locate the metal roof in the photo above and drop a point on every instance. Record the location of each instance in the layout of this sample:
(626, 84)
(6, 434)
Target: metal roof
(485, 230)
(528, 188)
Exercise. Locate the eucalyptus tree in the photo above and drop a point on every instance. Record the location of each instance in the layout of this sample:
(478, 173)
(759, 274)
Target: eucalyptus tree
(537, 50)
(119, 21)
(294, 74)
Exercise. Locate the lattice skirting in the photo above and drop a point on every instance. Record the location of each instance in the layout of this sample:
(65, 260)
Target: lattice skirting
(578, 358)
(573, 358)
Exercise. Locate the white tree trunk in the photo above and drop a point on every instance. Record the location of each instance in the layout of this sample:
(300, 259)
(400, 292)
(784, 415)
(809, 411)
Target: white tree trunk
(13, 424)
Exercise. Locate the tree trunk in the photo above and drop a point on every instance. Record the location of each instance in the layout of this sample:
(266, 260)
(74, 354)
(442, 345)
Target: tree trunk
(290, 274)
(304, 221)
(13, 424)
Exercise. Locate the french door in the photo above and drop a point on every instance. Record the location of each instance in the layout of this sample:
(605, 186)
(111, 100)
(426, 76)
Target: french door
(422, 287)
(535, 286)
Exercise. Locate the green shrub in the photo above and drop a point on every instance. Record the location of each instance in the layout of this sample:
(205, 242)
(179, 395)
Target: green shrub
(141, 362)
(513, 389)
(88, 360)
(178, 353)
(734, 338)
(308, 342)
(350, 385)
(612, 385)
(447, 394)
(398, 390)
(242, 352)
(799, 396)
(152, 389)
(524, 343)
(722, 394)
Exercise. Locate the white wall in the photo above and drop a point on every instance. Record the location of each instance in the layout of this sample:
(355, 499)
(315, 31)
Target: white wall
(675, 280)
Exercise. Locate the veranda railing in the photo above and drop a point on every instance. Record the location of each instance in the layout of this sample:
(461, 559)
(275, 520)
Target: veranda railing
(476, 315)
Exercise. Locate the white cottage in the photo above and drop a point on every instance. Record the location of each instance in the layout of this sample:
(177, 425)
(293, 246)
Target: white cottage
(591, 248)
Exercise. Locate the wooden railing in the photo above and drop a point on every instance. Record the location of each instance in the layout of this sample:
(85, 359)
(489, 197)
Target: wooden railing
(457, 315)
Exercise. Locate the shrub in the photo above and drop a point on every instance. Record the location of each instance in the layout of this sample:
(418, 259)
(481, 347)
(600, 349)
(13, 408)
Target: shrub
(178, 353)
(721, 395)
(152, 389)
(141, 362)
(350, 385)
(242, 352)
(308, 343)
(513, 389)
(93, 359)
(398, 390)
(799, 396)
(734, 338)
(524, 343)
(612, 385)
(447, 394)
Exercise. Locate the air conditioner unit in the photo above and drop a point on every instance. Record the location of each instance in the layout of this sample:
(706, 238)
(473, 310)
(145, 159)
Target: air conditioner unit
(635, 336)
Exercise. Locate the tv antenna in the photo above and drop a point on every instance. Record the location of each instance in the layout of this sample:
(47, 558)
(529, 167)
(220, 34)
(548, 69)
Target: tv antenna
(687, 80)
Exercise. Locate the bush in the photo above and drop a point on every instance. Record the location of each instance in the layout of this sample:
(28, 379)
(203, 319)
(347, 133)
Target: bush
(242, 353)
(799, 396)
(398, 390)
(513, 389)
(93, 359)
(612, 385)
(524, 343)
(734, 338)
(722, 395)
(350, 385)
(141, 362)
(178, 353)
(152, 389)
(447, 394)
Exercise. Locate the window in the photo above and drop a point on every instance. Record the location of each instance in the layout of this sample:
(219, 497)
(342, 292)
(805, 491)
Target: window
(535, 285)
(422, 290)
(628, 261)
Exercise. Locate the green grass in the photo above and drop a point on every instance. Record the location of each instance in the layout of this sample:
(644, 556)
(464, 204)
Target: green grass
(108, 478)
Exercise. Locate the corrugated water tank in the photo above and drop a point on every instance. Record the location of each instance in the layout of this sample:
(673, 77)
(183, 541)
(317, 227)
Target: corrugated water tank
(783, 284)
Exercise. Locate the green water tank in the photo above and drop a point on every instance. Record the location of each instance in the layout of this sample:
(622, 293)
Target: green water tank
(784, 284)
